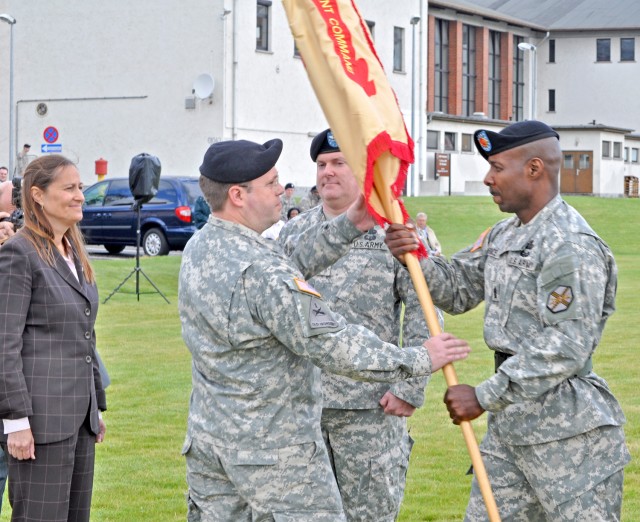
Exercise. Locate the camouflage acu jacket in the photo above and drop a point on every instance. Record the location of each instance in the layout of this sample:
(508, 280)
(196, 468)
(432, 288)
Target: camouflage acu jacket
(256, 330)
(367, 286)
(549, 287)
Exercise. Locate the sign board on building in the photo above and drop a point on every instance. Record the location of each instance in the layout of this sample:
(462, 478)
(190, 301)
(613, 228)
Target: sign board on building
(49, 148)
(50, 135)
(443, 164)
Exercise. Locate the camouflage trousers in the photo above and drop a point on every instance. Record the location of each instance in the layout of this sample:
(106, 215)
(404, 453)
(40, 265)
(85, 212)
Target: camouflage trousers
(369, 453)
(575, 479)
(291, 484)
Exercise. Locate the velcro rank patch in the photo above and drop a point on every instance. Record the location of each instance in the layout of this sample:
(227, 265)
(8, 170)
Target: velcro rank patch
(560, 299)
(305, 287)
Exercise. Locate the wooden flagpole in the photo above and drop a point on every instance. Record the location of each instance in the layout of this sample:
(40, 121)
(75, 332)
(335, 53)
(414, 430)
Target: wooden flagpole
(394, 214)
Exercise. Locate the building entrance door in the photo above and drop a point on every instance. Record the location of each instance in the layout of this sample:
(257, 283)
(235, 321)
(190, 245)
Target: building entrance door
(576, 175)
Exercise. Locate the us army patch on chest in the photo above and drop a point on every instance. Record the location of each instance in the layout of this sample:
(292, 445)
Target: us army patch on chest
(560, 299)
(320, 316)
(521, 262)
(370, 241)
(305, 287)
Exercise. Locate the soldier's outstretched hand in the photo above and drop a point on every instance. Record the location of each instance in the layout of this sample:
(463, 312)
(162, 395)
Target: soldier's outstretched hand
(445, 348)
(358, 214)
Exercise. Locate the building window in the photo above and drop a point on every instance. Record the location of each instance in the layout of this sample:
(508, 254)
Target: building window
(606, 149)
(552, 100)
(626, 155)
(398, 49)
(617, 149)
(371, 25)
(627, 49)
(433, 139)
(603, 49)
(467, 142)
(450, 141)
(552, 51)
(262, 25)
(634, 155)
(494, 74)
(518, 80)
(441, 66)
(468, 70)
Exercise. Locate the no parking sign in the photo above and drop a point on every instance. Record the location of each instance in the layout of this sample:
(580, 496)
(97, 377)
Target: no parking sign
(50, 135)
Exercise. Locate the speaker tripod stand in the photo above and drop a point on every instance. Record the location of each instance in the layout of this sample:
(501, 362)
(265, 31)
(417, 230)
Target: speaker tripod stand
(137, 270)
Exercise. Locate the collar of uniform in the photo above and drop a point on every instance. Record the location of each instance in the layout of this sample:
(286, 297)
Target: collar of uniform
(237, 228)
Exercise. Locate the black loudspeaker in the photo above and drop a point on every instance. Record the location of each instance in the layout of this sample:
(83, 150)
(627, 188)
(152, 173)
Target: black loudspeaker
(144, 176)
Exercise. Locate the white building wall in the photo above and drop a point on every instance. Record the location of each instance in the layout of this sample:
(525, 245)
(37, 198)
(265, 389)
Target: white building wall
(588, 90)
(115, 76)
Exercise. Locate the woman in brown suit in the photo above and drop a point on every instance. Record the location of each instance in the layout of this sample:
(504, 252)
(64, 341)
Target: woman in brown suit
(50, 387)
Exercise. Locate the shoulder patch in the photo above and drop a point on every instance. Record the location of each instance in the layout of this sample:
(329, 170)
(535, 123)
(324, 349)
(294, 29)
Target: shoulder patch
(305, 287)
(320, 316)
(560, 299)
(480, 241)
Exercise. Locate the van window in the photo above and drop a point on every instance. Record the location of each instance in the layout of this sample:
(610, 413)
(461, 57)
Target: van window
(119, 193)
(94, 196)
(166, 194)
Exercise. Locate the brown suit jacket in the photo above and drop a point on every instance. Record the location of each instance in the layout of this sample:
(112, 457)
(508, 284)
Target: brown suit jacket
(48, 364)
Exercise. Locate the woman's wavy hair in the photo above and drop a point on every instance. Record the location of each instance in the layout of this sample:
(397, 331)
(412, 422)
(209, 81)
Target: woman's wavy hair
(40, 173)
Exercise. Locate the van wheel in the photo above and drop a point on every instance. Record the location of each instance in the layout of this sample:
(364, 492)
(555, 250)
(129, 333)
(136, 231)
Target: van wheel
(154, 243)
(114, 249)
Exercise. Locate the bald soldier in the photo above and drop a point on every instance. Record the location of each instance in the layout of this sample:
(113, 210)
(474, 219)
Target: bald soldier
(258, 333)
(554, 448)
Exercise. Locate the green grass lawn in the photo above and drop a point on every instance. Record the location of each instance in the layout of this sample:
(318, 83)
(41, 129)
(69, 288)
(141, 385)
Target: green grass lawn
(140, 475)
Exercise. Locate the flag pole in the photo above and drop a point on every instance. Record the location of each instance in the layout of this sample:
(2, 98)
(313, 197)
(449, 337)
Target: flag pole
(394, 214)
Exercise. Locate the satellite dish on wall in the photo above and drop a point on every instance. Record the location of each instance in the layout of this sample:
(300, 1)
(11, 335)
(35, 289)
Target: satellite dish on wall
(203, 86)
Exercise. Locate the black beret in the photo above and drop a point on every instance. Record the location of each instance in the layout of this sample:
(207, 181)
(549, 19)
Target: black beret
(288, 186)
(323, 142)
(239, 161)
(489, 143)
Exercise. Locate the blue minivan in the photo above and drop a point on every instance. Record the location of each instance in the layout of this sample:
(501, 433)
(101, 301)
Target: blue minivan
(165, 221)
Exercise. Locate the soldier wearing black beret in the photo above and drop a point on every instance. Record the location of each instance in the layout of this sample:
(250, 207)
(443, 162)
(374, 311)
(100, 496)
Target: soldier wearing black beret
(489, 143)
(322, 143)
(239, 161)
(288, 201)
(256, 331)
(548, 283)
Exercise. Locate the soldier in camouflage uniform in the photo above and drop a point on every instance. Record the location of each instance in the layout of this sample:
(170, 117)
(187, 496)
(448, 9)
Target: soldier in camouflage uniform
(554, 448)
(311, 200)
(258, 332)
(363, 423)
(287, 200)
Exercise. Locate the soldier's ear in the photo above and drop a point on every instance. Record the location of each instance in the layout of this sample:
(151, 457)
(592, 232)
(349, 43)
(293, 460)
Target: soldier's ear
(535, 168)
(237, 195)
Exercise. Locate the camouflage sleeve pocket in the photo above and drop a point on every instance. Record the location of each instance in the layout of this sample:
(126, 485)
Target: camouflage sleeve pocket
(560, 290)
